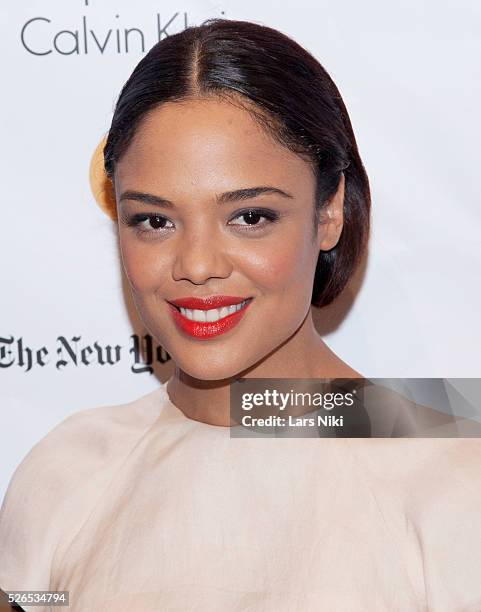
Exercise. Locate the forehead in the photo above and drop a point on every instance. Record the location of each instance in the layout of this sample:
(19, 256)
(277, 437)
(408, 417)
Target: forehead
(211, 144)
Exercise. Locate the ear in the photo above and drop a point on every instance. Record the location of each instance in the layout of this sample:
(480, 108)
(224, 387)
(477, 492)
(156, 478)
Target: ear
(331, 219)
(102, 188)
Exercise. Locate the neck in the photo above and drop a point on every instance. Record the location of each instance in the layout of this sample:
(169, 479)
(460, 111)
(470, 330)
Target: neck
(303, 355)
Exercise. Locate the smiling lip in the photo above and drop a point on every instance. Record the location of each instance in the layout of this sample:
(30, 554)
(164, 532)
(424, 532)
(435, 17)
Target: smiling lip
(201, 330)
(206, 303)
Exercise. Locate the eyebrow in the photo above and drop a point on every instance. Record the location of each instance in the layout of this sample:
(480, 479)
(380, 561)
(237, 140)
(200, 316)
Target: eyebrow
(229, 196)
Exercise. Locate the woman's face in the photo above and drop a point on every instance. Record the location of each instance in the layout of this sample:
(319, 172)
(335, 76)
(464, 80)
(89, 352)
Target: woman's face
(190, 236)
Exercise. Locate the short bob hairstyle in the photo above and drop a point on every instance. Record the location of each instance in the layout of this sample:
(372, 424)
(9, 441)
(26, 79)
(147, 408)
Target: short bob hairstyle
(287, 91)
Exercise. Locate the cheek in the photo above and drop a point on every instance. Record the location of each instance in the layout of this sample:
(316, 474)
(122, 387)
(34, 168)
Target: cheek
(143, 266)
(280, 267)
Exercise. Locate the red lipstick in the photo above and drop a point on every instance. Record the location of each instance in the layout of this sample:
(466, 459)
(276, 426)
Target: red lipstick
(205, 303)
(207, 329)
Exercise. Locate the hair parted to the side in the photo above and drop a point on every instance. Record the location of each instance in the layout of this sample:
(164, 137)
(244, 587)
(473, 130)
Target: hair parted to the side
(287, 91)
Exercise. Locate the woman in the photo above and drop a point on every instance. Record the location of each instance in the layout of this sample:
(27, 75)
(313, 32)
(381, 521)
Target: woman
(241, 201)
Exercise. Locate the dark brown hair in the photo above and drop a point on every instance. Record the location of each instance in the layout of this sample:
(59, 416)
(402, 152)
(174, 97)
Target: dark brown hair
(287, 91)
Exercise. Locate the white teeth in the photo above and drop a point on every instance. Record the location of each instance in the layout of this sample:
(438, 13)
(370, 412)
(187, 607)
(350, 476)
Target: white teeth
(211, 315)
(199, 315)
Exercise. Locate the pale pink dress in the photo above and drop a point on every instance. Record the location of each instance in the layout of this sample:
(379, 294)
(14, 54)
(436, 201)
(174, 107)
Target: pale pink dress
(137, 507)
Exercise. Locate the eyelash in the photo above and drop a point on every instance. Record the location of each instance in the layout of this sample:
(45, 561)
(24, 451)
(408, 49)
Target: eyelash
(135, 220)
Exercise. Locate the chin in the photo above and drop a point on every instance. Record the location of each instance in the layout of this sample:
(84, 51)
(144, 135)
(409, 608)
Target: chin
(208, 372)
(215, 369)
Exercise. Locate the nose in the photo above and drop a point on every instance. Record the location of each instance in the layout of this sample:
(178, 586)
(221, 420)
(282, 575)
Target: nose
(200, 256)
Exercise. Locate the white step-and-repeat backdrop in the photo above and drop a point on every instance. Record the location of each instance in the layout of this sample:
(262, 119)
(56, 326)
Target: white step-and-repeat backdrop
(410, 74)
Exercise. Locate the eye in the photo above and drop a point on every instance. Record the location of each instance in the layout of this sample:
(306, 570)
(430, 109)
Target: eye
(250, 219)
(148, 223)
(252, 216)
